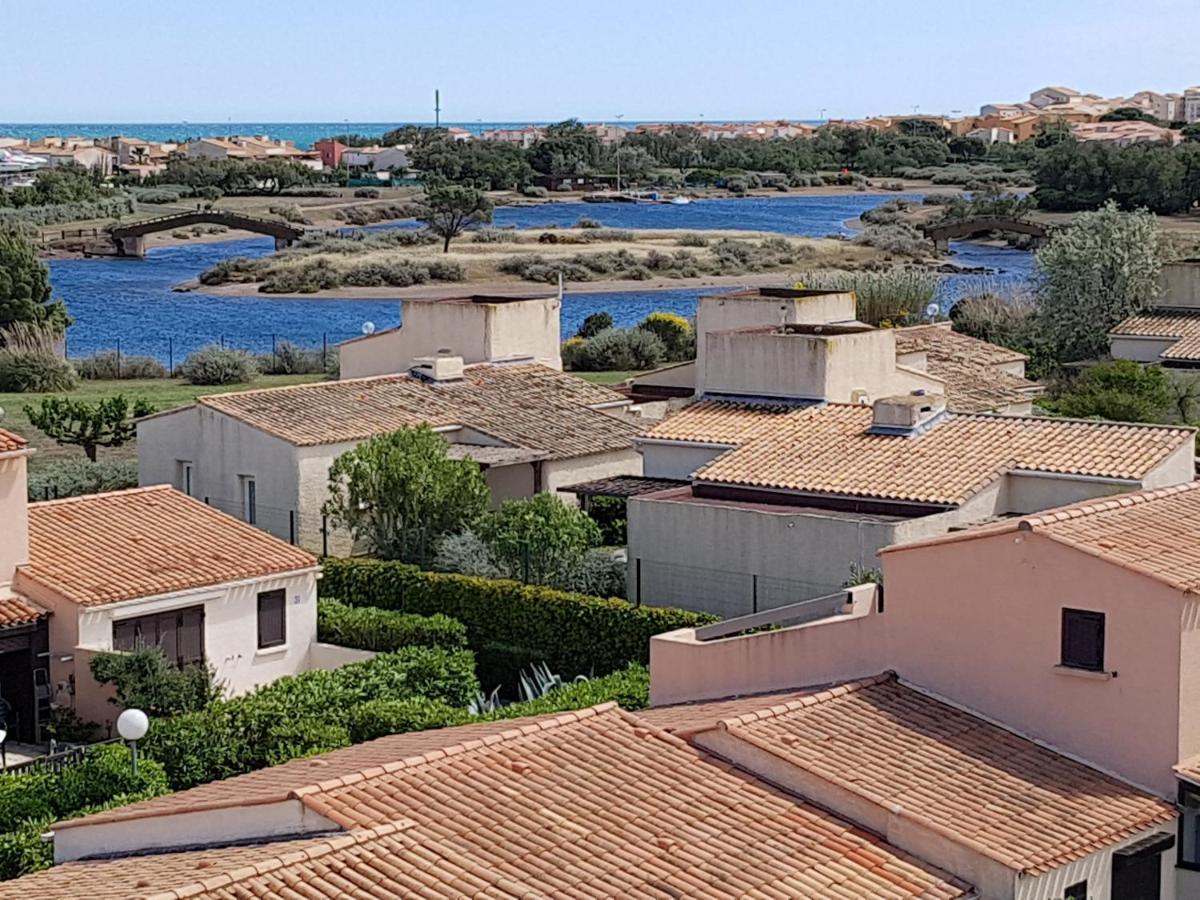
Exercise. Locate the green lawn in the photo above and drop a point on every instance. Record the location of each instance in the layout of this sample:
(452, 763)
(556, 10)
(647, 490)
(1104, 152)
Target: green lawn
(605, 377)
(164, 393)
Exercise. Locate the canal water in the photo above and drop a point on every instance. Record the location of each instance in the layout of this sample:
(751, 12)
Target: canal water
(131, 302)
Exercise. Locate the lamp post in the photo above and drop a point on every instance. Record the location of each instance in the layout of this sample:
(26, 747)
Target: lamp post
(3, 748)
(132, 726)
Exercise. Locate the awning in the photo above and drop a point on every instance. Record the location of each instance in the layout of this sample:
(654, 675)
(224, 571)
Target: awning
(620, 486)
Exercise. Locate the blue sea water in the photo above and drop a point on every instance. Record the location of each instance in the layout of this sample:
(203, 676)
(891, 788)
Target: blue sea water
(131, 302)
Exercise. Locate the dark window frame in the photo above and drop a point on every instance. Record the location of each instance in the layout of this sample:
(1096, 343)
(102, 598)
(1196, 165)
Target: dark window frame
(172, 631)
(1070, 656)
(1188, 792)
(1076, 891)
(264, 601)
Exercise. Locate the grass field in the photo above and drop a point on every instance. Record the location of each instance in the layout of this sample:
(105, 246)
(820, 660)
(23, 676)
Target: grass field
(164, 393)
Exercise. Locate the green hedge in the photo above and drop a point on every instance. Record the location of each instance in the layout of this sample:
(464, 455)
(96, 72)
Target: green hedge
(301, 714)
(574, 634)
(369, 628)
(31, 801)
(630, 688)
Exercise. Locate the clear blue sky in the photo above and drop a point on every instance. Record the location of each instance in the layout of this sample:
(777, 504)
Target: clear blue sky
(506, 60)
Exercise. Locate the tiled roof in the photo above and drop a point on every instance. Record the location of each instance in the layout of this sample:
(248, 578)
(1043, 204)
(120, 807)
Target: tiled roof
(590, 803)
(526, 405)
(830, 450)
(17, 610)
(970, 369)
(104, 548)
(1166, 322)
(1189, 770)
(1013, 800)
(10, 442)
(719, 422)
(685, 719)
(1151, 532)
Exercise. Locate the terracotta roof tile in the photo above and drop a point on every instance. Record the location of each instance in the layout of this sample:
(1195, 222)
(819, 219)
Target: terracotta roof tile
(591, 803)
(983, 786)
(18, 610)
(526, 405)
(719, 422)
(830, 449)
(684, 719)
(1166, 322)
(971, 370)
(104, 548)
(10, 442)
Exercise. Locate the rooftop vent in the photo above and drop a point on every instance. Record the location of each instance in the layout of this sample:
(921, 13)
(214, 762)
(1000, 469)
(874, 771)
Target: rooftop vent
(438, 368)
(907, 414)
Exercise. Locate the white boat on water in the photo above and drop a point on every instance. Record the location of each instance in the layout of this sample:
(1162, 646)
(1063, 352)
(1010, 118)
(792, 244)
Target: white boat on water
(680, 201)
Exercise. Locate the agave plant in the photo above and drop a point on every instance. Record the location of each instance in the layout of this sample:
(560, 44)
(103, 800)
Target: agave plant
(541, 681)
(485, 703)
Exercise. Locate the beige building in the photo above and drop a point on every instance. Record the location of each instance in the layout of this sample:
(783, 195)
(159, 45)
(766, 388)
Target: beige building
(778, 501)
(148, 567)
(1170, 332)
(264, 456)
(478, 327)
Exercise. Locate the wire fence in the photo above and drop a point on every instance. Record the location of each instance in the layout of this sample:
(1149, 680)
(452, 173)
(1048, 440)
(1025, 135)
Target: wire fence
(721, 591)
(275, 352)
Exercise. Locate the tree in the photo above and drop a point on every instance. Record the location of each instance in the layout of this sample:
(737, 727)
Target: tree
(1052, 131)
(25, 293)
(1098, 270)
(1191, 133)
(400, 492)
(1120, 390)
(567, 148)
(537, 538)
(109, 422)
(145, 680)
(448, 209)
(1130, 114)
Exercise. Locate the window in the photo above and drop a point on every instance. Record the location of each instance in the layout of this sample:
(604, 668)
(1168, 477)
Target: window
(1076, 892)
(249, 500)
(185, 477)
(178, 633)
(1083, 639)
(1189, 826)
(272, 619)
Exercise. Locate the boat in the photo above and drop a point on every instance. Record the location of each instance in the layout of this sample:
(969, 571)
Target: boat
(679, 201)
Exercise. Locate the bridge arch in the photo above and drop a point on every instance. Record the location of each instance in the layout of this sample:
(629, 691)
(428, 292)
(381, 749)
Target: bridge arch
(943, 232)
(130, 239)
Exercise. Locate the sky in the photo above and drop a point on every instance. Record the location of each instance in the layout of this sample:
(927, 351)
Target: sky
(528, 60)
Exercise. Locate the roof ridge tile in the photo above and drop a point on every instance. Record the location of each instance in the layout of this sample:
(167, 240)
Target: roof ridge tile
(822, 696)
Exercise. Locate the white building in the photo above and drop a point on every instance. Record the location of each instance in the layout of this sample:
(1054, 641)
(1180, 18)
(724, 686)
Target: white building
(264, 455)
(152, 567)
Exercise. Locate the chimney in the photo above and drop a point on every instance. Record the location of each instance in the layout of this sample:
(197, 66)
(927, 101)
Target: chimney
(442, 367)
(907, 415)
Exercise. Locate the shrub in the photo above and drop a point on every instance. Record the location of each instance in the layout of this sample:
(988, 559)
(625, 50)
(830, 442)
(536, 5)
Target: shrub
(571, 348)
(598, 573)
(675, 332)
(585, 222)
(181, 235)
(74, 477)
(692, 240)
(307, 278)
(367, 193)
(368, 628)
(494, 236)
(737, 186)
(594, 324)
(215, 364)
(899, 238)
(616, 350)
(1119, 390)
(145, 680)
(574, 634)
(289, 213)
(892, 297)
(466, 554)
(445, 270)
(108, 365)
(379, 718)
(538, 538)
(34, 371)
(291, 359)
(534, 190)
(609, 513)
(157, 195)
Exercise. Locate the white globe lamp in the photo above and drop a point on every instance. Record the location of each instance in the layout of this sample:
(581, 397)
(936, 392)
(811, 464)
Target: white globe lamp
(132, 726)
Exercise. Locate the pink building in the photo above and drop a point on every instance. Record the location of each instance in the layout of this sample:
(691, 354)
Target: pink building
(331, 152)
(1078, 628)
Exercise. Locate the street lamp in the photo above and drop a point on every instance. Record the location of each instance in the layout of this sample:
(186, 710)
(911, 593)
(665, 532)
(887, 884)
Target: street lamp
(132, 726)
(3, 748)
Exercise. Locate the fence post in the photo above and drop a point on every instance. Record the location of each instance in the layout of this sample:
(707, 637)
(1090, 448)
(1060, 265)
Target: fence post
(118, 358)
(754, 592)
(637, 581)
(274, 357)
(291, 526)
(324, 350)
(171, 356)
(222, 342)
(324, 535)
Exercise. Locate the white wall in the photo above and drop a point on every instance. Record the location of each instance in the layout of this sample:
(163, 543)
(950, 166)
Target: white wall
(230, 634)
(558, 473)
(677, 460)
(1138, 349)
(14, 543)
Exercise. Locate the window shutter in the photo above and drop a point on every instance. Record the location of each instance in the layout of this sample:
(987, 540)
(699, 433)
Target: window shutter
(272, 618)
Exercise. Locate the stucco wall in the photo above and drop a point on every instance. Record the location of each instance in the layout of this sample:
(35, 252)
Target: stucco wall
(1139, 349)
(677, 460)
(530, 328)
(562, 472)
(980, 621)
(510, 482)
(1096, 869)
(14, 543)
(222, 450)
(230, 635)
(1180, 284)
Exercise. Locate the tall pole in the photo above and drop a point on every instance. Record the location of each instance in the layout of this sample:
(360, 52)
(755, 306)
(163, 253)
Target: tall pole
(620, 116)
(437, 109)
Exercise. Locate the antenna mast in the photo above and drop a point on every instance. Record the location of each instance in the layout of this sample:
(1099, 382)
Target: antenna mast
(437, 109)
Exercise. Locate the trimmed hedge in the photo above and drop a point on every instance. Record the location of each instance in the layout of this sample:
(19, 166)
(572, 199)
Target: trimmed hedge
(301, 714)
(369, 628)
(630, 688)
(573, 633)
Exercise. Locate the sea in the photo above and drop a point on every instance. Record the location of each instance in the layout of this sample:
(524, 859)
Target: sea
(131, 304)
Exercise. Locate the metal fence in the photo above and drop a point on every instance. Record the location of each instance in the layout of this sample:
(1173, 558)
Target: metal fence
(56, 760)
(721, 591)
(272, 349)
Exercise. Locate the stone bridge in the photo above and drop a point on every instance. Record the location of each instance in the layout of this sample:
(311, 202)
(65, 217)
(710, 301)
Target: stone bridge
(943, 232)
(131, 239)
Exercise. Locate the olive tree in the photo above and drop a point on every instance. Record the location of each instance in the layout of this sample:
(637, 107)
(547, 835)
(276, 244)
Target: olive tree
(1093, 273)
(109, 422)
(400, 492)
